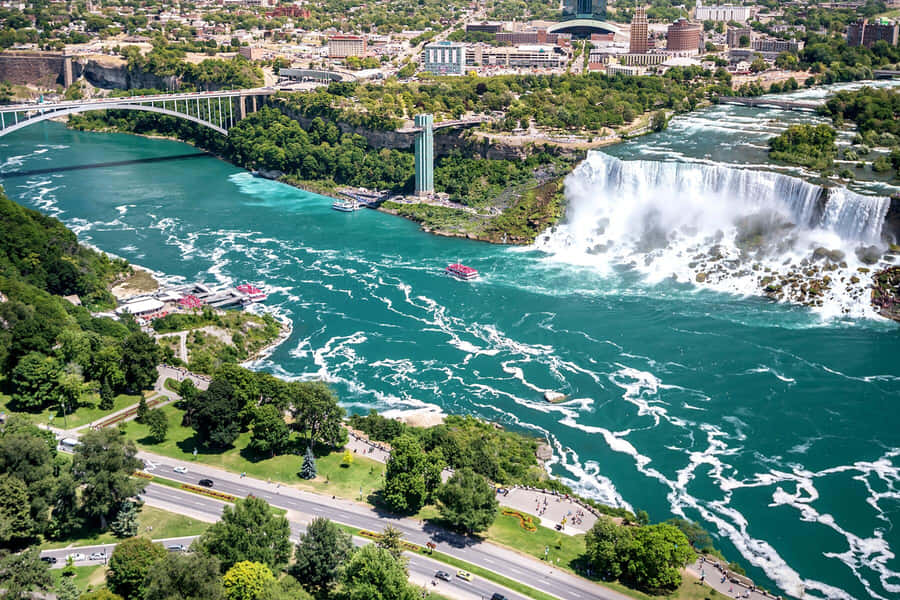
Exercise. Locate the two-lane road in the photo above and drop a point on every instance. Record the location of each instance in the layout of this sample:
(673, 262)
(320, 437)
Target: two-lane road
(518, 567)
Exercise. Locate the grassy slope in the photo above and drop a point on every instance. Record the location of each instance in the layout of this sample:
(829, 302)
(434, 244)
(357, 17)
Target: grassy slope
(152, 522)
(332, 479)
(86, 413)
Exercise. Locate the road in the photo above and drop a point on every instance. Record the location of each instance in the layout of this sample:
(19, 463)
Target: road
(421, 568)
(518, 567)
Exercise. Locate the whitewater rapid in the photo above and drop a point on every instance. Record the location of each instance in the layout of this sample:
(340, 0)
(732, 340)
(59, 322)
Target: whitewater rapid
(733, 230)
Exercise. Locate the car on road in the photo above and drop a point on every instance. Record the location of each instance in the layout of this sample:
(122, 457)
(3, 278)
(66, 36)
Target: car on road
(443, 575)
(97, 556)
(50, 560)
(498, 596)
(176, 548)
(206, 482)
(75, 556)
(464, 575)
(180, 469)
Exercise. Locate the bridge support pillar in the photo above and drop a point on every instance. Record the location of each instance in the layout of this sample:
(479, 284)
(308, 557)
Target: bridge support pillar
(254, 103)
(242, 110)
(424, 153)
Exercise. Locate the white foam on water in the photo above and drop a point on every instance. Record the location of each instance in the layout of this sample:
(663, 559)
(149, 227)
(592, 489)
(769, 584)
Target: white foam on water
(678, 220)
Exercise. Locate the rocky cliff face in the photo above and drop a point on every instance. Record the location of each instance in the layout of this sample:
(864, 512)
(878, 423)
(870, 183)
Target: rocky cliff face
(109, 75)
(446, 141)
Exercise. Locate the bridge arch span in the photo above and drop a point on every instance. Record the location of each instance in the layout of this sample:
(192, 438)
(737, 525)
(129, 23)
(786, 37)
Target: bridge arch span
(88, 108)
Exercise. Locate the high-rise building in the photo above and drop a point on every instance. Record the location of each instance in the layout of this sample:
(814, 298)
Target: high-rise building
(424, 154)
(342, 46)
(734, 34)
(864, 33)
(639, 43)
(724, 12)
(584, 8)
(444, 58)
(684, 36)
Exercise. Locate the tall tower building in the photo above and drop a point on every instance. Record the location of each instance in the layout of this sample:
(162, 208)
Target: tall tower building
(639, 44)
(424, 154)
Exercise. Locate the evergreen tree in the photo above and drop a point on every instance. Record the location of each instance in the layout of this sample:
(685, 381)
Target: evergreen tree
(141, 410)
(106, 396)
(125, 524)
(66, 589)
(320, 554)
(308, 471)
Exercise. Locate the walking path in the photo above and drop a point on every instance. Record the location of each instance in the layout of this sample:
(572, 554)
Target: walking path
(718, 577)
(182, 353)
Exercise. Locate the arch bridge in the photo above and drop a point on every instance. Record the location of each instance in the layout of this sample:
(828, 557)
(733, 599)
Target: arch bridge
(218, 111)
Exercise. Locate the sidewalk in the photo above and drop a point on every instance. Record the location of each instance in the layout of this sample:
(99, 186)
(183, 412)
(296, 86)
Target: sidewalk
(719, 578)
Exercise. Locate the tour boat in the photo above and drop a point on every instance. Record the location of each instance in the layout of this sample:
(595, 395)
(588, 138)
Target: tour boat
(462, 272)
(345, 205)
(252, 292)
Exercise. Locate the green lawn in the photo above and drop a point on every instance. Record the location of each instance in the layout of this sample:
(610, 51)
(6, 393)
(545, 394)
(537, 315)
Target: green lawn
(85, 578)
(507, 532)
(152, 522)
(332, 479)
(87, 413)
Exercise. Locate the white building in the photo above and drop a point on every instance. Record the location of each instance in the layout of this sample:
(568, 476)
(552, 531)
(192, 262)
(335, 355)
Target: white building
(723, 12)
(444, 58)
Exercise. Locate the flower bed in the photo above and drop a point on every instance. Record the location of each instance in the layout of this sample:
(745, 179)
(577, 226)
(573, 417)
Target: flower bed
(525, 521)
(206, 492)
(376, 536)
(143, 475)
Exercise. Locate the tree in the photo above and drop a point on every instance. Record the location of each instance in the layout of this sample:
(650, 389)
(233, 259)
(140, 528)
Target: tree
(317, 414)
(140, 354)
(216, 415)
(24, 573)
(125, 524)
(347, 459)
(404, 486)
(270, 434)
(35, 381)
(66, 589)
(178, 576)
(247, 580)
(468, 501)
(158, 423)
(758, 65)
(433, 471)
(373, 574)
(107, 398)
(286, 589)
(141, 410)
(319, 555)
(658, 122)
(248, 531)
(104, 463)
(659, 554)
(744, 41)
(101, 594)
(608, 545)
(308, 470)
(66, 516)
(129, 564)
(391, 540)
(16, 525)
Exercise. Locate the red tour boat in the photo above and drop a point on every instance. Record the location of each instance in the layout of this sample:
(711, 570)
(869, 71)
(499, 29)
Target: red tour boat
(462, 272)
(252, 292)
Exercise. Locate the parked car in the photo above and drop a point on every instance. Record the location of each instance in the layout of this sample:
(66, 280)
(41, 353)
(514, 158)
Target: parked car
(50, 560)
(206, 482)
(76, 556)
(180, 469)
(176, 548)
(497, 596)
(97, 556)
(443, 575)
(464, 575)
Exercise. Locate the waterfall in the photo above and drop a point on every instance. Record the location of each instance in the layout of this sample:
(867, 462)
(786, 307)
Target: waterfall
(717, 225)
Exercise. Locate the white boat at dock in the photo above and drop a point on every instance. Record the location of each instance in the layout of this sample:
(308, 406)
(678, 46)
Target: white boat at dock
(346, 205)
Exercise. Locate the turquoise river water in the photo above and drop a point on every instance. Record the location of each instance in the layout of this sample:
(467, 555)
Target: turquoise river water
(773, 425)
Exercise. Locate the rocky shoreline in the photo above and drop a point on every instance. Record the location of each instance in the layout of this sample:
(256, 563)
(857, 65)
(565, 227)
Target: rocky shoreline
(886, 293)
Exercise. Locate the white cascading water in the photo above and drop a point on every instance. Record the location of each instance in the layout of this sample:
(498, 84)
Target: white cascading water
(729, 229)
